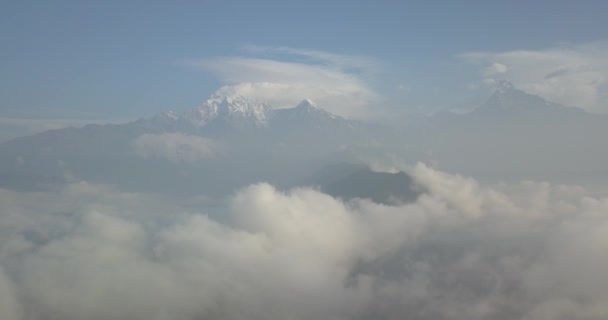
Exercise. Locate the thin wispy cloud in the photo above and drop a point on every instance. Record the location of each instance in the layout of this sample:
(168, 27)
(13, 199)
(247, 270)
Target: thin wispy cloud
(362, 63)
(573, 75)
(284, 76)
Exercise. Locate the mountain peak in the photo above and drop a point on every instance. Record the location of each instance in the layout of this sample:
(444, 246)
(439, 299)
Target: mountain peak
(309, 107)
(233, 103)
(504, 86)
(307, 104)
(235, 111)
(509, 100)
(232, 107)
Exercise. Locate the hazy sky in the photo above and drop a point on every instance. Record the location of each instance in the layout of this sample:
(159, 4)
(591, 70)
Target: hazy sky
(124, 59)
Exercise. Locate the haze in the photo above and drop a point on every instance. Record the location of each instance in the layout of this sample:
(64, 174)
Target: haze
(303, 160)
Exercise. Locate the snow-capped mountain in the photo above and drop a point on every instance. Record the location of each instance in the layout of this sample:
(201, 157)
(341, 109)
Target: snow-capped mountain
(237, 110)
(308, 115)
(507, 99)
(510, 133)
(310, 108)
(221, 114)
(305, 110)
(234, 111)
(222, 135)
(232, 141)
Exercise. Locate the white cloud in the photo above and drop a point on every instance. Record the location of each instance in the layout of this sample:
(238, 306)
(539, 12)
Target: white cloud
(463, 193)
(361, 63)
(176, 147)
(462, 251)
(337, 82)
(494, 69)
(573, 75)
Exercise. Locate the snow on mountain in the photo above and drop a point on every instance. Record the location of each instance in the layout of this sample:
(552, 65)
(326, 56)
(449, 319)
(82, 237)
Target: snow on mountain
(236, 107)
(306, 118)
(211, 142)
(239, 112)
(235, 110)
(310, 107)
(507, 99)
(504, 86)
(250, 140)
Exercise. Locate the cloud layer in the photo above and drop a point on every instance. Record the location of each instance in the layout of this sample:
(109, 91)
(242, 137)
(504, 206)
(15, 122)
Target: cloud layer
(461, 251)
(573, 75)
(285, 76)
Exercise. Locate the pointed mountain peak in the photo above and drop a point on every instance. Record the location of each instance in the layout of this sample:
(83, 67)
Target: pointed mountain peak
(306, 112)
(309, 107)
(506, 93)
(307, 104)
(508, 99)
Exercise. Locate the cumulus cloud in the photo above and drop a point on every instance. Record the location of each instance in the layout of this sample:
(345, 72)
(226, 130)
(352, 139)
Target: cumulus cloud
(461, 251)
(337, 82)
(176, 147)
(573, 75)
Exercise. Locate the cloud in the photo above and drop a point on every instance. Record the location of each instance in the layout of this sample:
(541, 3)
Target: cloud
(339, 83)
(10, 308)
(176, 147)
(361, 63)
(462, 251)
(573, 75)
(494, 69)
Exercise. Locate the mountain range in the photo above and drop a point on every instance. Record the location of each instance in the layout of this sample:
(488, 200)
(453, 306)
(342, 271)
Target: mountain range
(516, 135)
(231, 141)
(224, 115)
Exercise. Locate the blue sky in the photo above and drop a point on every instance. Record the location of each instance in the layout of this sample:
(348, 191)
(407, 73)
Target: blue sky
(125, 59)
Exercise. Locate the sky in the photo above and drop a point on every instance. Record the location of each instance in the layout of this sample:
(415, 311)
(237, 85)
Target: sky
(76, 61)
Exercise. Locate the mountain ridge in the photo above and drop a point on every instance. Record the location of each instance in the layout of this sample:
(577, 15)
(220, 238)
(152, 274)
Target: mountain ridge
(246, 141)
(509, 99)
(236, 112)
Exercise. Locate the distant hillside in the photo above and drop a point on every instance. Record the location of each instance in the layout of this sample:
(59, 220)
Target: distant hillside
(349, 181)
